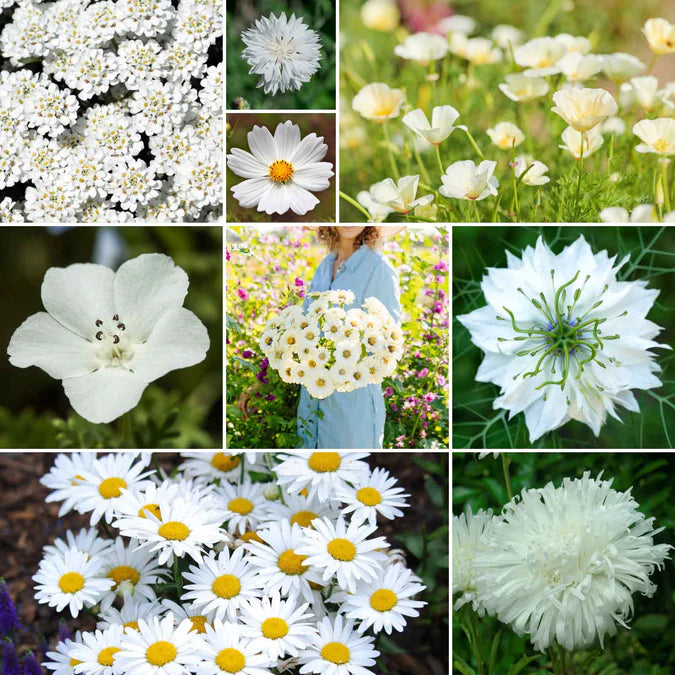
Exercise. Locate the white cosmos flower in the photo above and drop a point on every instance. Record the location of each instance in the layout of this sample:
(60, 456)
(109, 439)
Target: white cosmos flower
(378, 102)
(643, 213)
(442, 119)
(535, 171)
(422, 47)
(540, 56)
(281, 171)
(506, 135)
(657, 136)
(108, 334)
(382, 15)
(506, 36)
(562, 563)
(583, 108)
(572, 140)
(572, 344)
(520, 87)
(66, 470)
(620, 66)
(465, 180)
(578, 67)
(71, 579)
(378, 212)
(96, 656)
(660, 34)
(320, 383)
(481, 51)
(399, 196)
(284, 52)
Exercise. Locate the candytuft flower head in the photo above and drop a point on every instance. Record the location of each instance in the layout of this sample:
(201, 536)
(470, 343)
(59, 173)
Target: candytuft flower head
(564, 338)
(284, 52)
(582, 108)
(108, 334)
(562, 563)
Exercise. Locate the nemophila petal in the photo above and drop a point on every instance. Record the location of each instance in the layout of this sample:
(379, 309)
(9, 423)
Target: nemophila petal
(43, 342)
(246, 165)
(105, 394)
(77, 295)
(262, 144)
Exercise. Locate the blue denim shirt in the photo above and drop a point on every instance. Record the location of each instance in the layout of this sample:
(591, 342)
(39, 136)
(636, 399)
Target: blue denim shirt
(353, 419)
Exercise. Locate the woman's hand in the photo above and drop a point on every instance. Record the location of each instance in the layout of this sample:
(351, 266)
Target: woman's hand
(244, 398)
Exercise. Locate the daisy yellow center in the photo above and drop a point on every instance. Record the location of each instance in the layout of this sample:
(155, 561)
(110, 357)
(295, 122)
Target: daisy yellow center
(124, 573)
(71, 582)
(106, 656)
(160, 653)
(274, 628)
(335, 652)
(226, 586)
(230, 660)
(150, 508)
(74, 662)
(383, 600)
(290, 562)
(369, 496)
(251, 536)
(111, 487)
(174, 530)
(131, 624)
(224, 462)
(240, 505)
(281, 171)
(198, 624)
(324, 462)
(342, 549)
(661, 145)
(303, 518)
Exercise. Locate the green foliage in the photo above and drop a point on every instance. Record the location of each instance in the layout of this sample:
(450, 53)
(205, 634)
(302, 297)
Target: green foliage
(475, 423)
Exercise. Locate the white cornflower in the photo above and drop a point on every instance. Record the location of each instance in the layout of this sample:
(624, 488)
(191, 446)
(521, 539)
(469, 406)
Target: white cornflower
(523, 88)
(281, 171)
(660, 35)
(465, 180)
(620, 66)
(573, 140)
(562, 563)
(540, 56)
(506, 135)
(582, 108)
(108, 334)
(96, 654)
(401, 196)
(533, 171)
(442, 119)
(378, 102)
(284, 52)
(422, 47)
(564, 338)
(657, 136)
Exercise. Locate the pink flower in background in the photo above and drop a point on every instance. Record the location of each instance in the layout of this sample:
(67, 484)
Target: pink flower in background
(247, 354)
(388, 392)
(429, 397)
(242, 293)
(227, 253)
(441, 266)
(422, 15)
(299, 282)
(423, 373)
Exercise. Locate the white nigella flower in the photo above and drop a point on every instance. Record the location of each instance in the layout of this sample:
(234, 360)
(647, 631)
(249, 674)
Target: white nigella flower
(573, 140)
(564, 338)
(506, 135)
(520, 87)
(378, 102)
(422, 47)
(284, 52)
(442, 119)
(108, 334)
(660, 34)
(620, 66)
(562, 563)
(399, 196)
(657, 136)
(281, 171)
(540, 56)
(533, 171)
(583, 108)
(465, 180)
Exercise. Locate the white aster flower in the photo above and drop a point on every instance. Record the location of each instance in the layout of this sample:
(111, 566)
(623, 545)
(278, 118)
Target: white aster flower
(378, 102)
(108, 334)
(96, 654)
(657, 136)
(442, 119)
(572, 344)
(401, 196)
(533, 171)
(540, 56)
(284, 52)
(506, 135)
(465, 180)
(562, 563)
(583, 108)
(573, 140)
(422, 47)
(620, 66)
(660, 34)
(281, 171)
(643, 213)
(520, 87)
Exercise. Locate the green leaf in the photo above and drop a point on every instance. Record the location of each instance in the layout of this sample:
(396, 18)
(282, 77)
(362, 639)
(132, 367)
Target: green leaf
(414, 542)
(521, 663)
(427, 464)
(463, 667)
(651, 623)
(493, 652)
(435, 492)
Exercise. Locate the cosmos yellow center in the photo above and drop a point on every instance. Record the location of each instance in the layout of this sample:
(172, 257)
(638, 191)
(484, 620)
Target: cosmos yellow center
(324, 462)
(160, 653)
(123, 573)
(224, 462)
(226, 586)
(71, 582)
(303, 518)
(230, 660)
(342, 549)
(240, 505)
(131, 624)
(383, 600)
(106, 656)
(251, 536)
(335, 652)
(290, 562)
(369, 496)
(174, 530)
(198, 624)
(661, 145)
(111, 487)
(150, 508)
(274, 628)
(281, 171)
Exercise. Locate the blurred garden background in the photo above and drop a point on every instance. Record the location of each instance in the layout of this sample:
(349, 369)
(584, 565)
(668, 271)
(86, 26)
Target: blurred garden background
(648, 648)
(475, 423)
(269, 269)
(318, 93)
(183, 409)
(239, 124)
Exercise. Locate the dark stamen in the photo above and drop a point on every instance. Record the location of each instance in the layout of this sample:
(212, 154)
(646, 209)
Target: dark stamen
(116, 339)
(99, 335)
(99, 322)
(116, 317)
(121, 326)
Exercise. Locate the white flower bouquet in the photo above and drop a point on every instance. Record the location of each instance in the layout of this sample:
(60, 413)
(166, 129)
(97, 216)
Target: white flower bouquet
(329, 348)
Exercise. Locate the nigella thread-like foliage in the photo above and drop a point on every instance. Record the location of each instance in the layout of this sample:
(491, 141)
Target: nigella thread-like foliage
(9, 618)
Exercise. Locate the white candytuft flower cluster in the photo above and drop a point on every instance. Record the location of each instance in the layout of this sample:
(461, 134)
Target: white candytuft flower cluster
(564, 338)
(121, 121)
(560, 564)
(329, 348)
(210, 572)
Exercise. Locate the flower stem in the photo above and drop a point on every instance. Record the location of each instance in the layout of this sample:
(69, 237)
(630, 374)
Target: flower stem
(664, 183)
(507, 479)
(178, 579)
(440, 163)
(355, 204)
(392, 160)
(423, 171)
(127, 431)
(475, 208)
(473, 143)
(563, 660)
(581, 167)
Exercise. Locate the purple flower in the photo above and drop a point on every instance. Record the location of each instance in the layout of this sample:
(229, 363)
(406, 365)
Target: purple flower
(270, 397)
(388, 391)
(31, 666)
(242, 293)
(441, 267)
(299, 282)
(64, 632)
(247, 354)
(10, 664)
(301, 294)
(441, 380)
(429, 397)
(9, 619)
(227, 253)
(423, 373)
(394, 407)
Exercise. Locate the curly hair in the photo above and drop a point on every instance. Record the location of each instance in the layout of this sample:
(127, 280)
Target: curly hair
(370, 236)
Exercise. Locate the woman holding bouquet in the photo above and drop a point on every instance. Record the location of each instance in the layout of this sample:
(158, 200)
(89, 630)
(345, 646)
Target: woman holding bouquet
(353, 419)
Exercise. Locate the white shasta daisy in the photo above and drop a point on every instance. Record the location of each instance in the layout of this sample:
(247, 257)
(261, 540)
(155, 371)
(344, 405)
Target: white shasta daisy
(205, 467)
(298, 509)
(96, 654)
(133, 609)
(243, 506)
(86, 540)
(198, 620)
(61, 662)
(66, 470)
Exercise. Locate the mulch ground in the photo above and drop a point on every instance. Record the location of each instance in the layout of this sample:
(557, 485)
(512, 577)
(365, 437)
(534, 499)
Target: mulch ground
(27, 523)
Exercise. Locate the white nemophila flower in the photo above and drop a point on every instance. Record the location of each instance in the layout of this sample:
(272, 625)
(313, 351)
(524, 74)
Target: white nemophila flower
(71, 579)
(657, 136)
(284, 52)
(401, 196)
(660, 34)
(577, 67)
(564, 338)
(582, 108)
(465, 180)
(573, 141)
(531, 171)
(108, 334)
(339, 650)
(281, 171)
(96, 654)
(562, 563)
(643, 213)
(422, 47)
(506, 135)
(442, 119)
(66, 470)
(378, 102)
(540, 56)
(523, 88)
